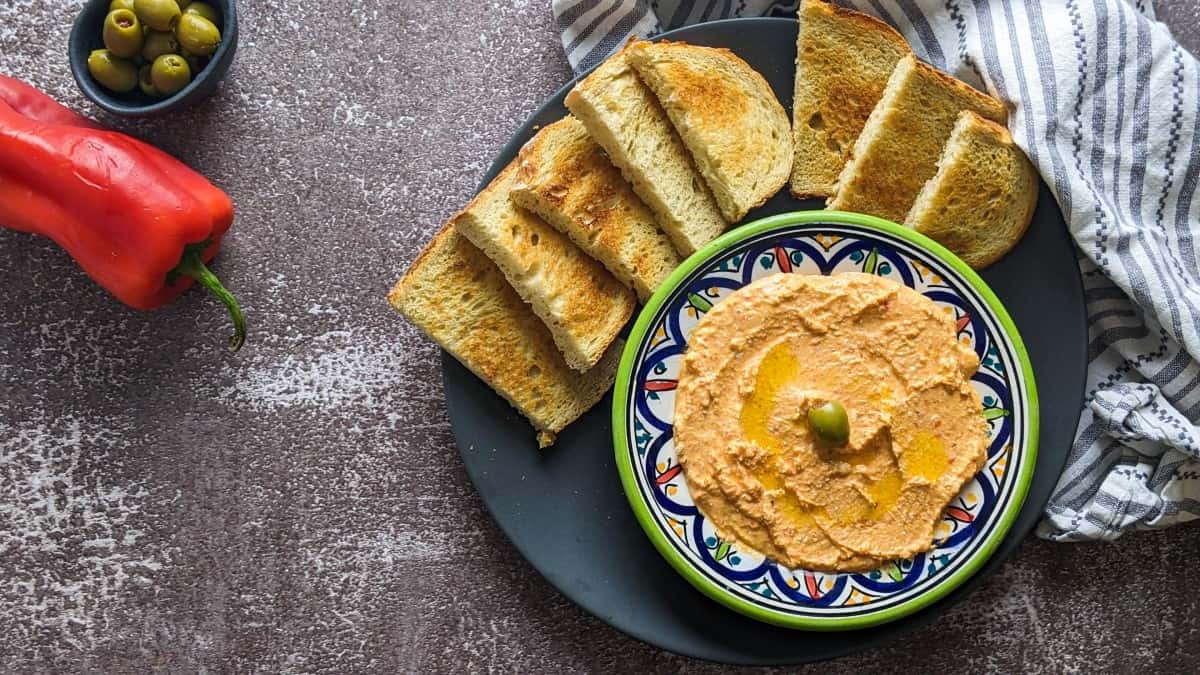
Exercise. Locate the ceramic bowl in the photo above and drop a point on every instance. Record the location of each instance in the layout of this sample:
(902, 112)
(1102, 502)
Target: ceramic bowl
(821, 242)
(86, 36)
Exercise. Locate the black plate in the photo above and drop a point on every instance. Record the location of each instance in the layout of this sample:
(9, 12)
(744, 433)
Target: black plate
(564, 509)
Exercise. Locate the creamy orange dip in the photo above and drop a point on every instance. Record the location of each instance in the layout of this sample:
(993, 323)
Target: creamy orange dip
(761, 358)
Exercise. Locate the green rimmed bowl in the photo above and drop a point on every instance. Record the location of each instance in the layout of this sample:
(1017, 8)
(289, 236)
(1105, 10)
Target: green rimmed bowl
(821, 242)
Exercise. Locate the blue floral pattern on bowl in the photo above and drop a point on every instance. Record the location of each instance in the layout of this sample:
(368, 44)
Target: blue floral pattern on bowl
(825, 248)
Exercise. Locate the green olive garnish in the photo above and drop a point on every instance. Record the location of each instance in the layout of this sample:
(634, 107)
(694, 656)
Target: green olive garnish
(120, 4)
(829, 423)
(170, 73)
(112, 72)
(197, 34)
(122, 33)
(158, 14)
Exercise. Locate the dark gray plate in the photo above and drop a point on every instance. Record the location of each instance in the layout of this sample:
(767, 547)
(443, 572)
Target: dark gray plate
(564, 509)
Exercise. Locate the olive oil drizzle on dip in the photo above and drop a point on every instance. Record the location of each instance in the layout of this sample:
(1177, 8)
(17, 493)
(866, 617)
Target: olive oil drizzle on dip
(777, 368)
(760, 360)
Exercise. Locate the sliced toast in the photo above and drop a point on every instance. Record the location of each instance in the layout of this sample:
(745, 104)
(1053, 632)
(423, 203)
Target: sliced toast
(582, 304)
(901, 142)
(728, 117)
(622, 115)
(565, 177)
(460, 298)
(980, 201)
(843, 61)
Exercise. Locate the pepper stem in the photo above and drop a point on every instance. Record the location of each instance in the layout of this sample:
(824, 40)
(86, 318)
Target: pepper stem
(191, 265)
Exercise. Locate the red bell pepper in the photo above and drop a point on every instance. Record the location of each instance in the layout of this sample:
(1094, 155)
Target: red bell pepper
(138, 221)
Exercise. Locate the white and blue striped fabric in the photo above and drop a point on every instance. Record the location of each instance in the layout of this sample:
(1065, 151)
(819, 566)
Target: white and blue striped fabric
(1107, 105)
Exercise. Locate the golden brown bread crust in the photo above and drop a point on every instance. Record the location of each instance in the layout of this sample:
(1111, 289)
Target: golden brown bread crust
(396, 295)
(566, 178)
(902, 140)
(728, 117)
(843, 61)
(623, 116)
(867, 21)
(1027, 192)
(712, 99)
(582, 304)
(457, 296)
(981, 200)
(987, 105)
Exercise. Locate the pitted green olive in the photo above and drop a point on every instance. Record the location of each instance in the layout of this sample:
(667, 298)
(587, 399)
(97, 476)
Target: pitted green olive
(146, 83)
(829, 423)
(170, 73)
(205, 10)
(158, 14)
(113, 73)
(122, 33)
(197, 35)
(158, 43)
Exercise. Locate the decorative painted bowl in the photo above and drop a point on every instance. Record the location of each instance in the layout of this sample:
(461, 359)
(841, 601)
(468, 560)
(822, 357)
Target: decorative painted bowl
(821, 242)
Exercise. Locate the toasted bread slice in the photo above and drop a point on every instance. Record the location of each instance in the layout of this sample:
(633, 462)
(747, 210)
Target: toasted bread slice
(582, 304)
(900, 144)
(622, 115)
(728, 117)
(460, 298)
(980, 201)
(565, 177)
(843, 61)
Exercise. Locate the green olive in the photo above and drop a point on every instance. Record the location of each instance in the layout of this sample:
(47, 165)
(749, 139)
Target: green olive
(146, 83)
(205, 10)
(829, 423)
(197, 34)
(159, 42)
(122, 33)
(120, 4)
(170, 73)
(113, 73)
(158, 14)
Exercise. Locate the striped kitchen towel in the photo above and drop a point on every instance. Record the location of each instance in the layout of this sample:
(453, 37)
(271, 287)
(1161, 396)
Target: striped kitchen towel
(1107, 105)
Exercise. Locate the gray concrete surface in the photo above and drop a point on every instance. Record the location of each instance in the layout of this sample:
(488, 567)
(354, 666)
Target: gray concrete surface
(300, 506)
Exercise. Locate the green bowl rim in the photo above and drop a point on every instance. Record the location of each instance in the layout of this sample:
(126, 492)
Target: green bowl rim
(642, 511)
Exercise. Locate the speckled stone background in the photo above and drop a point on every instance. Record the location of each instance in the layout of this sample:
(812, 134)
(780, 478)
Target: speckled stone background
(300, 506)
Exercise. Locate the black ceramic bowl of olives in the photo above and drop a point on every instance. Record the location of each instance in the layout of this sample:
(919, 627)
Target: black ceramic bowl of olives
(148, 57)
